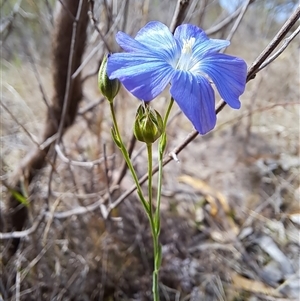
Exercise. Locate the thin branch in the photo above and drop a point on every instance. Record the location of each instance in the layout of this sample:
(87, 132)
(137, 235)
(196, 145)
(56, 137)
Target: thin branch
(238, 20)
(285, 44)
(19, 124)
(274, 43)
(124, 165)
(178, 16)
(8, 24)
(223, 23)
(37, 75)
(94, 23)
(24, 233)
(78, 210)
(88, 164)
(91, 106)
(106, 171)
(92, 195)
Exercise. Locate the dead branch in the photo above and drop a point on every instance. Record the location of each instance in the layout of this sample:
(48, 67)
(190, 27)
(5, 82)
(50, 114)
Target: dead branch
(179, 13)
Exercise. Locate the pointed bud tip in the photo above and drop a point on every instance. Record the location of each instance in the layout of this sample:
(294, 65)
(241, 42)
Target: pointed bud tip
(108, 87)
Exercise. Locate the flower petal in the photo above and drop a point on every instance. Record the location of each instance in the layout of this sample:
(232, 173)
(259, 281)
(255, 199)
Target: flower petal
(196, 99)
(203, 44)
(144, 77)
(157, 37)
(129, 44)
(187, 31)
(228, 74)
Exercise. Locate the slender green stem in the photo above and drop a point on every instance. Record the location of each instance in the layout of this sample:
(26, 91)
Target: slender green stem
(168, 113)
(154, 218)
(160, 167)
(149, 151)
(127, 159)
(155, 287)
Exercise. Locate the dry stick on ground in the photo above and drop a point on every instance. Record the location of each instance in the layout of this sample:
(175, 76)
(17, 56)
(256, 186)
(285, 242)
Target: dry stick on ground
(17, 214)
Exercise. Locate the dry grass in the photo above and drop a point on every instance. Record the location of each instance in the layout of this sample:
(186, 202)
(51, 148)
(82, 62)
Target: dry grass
(230, 207)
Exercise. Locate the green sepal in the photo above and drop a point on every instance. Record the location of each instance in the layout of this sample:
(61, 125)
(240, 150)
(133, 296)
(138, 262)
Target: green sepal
(115, 137)
(158, 257)
(148, 125)
(19, 197)
(162, 143)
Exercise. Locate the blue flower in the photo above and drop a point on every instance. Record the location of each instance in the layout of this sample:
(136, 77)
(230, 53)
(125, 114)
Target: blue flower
(189, 61)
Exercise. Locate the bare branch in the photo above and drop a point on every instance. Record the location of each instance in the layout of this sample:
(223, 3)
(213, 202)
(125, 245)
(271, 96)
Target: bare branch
(88, 164)
(224, 23)
(274, 43)
(180, 10)
(20, 234)
(285, 44)
(19, 124)
(94, 23)
(238, 20)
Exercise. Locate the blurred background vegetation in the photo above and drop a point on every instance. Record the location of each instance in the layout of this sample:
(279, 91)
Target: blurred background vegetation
(230, 206)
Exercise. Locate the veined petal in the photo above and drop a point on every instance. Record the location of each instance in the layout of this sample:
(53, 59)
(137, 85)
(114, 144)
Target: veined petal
(187, 31)
(228, 74)
(157, 37)
(209, 46)
(196, 99)
(144, 77)
(129, 44)
(201, 44)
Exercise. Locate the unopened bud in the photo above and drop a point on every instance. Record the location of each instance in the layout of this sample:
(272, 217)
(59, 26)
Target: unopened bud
(108, 87)
(148, 125)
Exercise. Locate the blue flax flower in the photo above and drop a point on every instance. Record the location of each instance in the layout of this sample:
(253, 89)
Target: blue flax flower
(189, 61)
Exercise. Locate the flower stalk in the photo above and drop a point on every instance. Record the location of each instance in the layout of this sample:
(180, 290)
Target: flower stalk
(188, 61)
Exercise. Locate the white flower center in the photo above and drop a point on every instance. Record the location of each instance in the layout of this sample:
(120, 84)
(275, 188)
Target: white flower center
(188, 45)
(185, 60)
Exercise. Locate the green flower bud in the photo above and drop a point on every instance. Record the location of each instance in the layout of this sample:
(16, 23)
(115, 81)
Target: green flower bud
(108, 87)
(148, 125)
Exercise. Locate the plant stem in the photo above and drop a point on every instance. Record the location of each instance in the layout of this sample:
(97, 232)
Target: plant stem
(127, 159)
(168, 113)
(156, 251)
(155, 219)
(160, 167)
(149, 152)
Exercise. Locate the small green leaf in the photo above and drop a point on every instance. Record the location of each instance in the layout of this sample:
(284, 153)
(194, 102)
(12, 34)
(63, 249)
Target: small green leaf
(115, 137)
(19, 197)
(162, 143)
(158, 256)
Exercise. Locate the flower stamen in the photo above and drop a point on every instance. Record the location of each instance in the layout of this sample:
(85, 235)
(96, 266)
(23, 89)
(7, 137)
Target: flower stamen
(184, 61)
